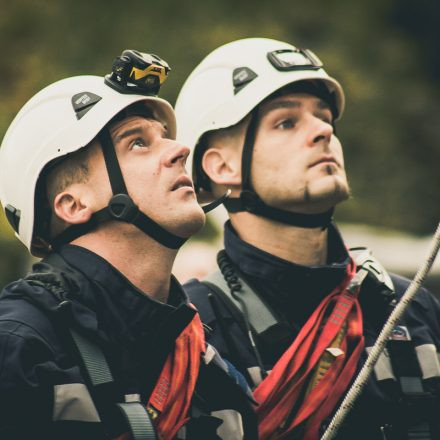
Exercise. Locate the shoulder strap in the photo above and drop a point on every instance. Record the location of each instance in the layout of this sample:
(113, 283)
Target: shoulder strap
(260, 316)
(98, 376)
(401, 364)
(98, 371)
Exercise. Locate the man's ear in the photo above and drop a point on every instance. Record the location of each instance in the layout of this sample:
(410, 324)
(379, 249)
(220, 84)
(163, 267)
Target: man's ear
(222, 166)
(69, 208)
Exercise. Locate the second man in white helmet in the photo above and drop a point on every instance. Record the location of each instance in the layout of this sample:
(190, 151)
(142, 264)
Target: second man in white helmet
(285, 306)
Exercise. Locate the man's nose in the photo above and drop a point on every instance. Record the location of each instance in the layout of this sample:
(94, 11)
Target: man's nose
(321, 131)
(175, 153)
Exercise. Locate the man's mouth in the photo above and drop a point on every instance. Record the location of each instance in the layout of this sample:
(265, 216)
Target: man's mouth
(182, 182)
(324, 160)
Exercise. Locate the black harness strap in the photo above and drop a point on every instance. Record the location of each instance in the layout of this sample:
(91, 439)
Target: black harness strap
(260, 315)
(98, 371)
(121, 208)
(136, 416)
(249, 201)
(248, 150)
(92, 362)
(111, 162)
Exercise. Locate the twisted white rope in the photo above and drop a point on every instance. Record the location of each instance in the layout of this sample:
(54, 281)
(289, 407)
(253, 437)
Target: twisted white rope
(362, 378)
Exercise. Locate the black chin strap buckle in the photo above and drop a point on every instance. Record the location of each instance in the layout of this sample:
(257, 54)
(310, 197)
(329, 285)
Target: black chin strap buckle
(121, 207)
(249, 200)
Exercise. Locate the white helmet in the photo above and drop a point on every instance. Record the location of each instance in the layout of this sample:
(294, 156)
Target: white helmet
(60, 119)
(233, 79)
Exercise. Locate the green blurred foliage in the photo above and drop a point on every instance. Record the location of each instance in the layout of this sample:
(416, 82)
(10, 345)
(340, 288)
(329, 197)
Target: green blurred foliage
(384, 52)
(14, 259)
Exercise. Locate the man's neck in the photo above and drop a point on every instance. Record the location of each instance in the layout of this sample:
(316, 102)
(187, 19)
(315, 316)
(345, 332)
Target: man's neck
(142, 260)
(305, 246)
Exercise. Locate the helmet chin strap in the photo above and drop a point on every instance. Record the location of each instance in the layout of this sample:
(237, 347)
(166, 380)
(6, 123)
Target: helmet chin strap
(210, 206)
(251, 202)
(120, 207)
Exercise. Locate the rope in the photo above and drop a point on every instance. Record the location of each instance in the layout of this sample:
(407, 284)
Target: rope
(355, 390)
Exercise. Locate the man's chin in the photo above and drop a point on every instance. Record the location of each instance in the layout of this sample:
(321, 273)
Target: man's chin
(189, 223)
(325, 194)
(328, 197)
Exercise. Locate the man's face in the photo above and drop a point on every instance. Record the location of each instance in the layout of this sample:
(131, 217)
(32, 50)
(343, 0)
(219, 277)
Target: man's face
(298, 162)
(153, 168)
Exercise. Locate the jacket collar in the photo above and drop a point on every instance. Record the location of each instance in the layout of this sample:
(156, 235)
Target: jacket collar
(119, 308)
(293, 290)
(256, 262)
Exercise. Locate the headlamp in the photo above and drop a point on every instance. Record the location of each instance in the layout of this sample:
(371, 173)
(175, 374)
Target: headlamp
(294, 59)
(137, 72)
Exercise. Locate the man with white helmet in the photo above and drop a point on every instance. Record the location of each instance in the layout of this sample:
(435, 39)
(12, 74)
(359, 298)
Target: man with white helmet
(99, 341)
(290, 306)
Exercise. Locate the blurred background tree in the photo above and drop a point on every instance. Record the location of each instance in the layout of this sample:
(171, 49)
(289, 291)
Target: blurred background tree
(384, 52)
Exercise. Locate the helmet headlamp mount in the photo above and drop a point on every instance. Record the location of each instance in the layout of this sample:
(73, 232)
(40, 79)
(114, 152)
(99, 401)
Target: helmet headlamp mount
(138, 72)
(294, 59)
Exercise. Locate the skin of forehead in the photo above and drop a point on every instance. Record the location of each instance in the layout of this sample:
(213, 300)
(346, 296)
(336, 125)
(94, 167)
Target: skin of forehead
(137, 128)
(290, 101)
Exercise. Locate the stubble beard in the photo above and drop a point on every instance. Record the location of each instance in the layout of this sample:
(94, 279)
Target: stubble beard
(333, 194)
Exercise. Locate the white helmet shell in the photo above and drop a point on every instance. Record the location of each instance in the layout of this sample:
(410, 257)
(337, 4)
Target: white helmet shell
(207, 100)
(47, 128)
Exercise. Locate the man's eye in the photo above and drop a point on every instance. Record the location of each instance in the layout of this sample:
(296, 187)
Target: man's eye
(286, 124)
(138, 143)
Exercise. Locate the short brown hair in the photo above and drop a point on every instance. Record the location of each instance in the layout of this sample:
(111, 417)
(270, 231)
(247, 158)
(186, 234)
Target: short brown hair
(74, 168)
(55, 178)
(221, 135)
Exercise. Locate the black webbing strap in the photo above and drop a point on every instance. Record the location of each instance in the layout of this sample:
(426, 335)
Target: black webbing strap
(156, 231)
(93, 360)
(260, 316)
(98, 374)
(121, 208)
(248, 150)
(250, 202)
(422, 405)
(135, 415)
(111, 162)
(73, 232)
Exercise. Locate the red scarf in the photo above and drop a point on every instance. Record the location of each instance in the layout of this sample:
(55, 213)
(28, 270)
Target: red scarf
(288, 381)
(170, 400)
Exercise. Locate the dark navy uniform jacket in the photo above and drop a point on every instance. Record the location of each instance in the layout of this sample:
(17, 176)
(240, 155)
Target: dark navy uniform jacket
(42, 391)
(294, 291)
